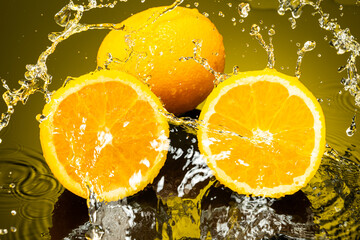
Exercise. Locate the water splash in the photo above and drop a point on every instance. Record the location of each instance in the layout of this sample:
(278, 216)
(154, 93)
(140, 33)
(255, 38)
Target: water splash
(292, 22)
(37, 78)
(342, 41)
(269, 48)
(308, 46)
(352, 128)
(244, 9)
(219, 77)
(333, 195)
(95, 231)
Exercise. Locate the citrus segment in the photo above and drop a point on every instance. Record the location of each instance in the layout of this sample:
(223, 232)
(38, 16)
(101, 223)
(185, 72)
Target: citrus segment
(262, 133)
(150, 46)
(104, 129)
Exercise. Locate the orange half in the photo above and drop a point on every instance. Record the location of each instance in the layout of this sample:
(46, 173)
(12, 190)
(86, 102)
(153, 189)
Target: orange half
(105, 130)
(262, 133)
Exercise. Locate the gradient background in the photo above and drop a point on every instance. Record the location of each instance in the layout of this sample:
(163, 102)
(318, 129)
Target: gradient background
(25, 24)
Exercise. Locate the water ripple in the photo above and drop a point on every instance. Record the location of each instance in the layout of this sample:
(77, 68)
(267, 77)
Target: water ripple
(334, 195)
(28, 192)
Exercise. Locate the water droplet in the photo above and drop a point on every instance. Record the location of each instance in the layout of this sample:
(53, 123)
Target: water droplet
(13, 212)
(12, 185)
(13, 229)
(319, 55)
(40, 117)
(244, 9)
(341, 7)
(271, 32)
(308, 46)
(293, 22)
(233, 19)
(255, 29)
(205, 14)
(3, 231)
(269, 48)
(352, 128)
(221, 14)
(196, 4)
(236, 69)
(229, 4)
(320, 100)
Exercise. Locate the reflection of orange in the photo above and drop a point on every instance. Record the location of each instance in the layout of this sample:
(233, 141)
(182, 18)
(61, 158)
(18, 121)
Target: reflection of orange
(154, 50)
(272, 133)
(104, 129)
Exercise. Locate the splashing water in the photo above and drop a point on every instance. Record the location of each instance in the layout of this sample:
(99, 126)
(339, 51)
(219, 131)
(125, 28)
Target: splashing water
(211, 210)
(37, 78)
(269, 48)
(352, 129)
(308, 46)
(219, 77)
(244, 9)
(342, 41)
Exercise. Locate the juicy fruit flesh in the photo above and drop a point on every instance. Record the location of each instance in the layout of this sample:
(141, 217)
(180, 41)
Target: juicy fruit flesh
(267, 142)
(262, 135)
(97, 143)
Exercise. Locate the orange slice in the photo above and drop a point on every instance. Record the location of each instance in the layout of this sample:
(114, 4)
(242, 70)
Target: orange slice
(104, 129)
(262, 133)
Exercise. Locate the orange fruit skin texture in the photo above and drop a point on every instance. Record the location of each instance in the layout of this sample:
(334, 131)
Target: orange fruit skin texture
(153, 48)
(104, 129)
(263, 133)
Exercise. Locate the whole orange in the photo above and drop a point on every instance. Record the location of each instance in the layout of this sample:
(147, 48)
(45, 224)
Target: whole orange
(150, 47)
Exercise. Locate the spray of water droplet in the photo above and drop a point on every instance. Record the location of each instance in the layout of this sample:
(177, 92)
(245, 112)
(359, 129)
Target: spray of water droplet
(3, 231)
(244, 9)
(95, 231)
(219, 77)
(37, 78)
(352, 128)
(342, 40)
(293, 22)
(308, 46)
(269, 48)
